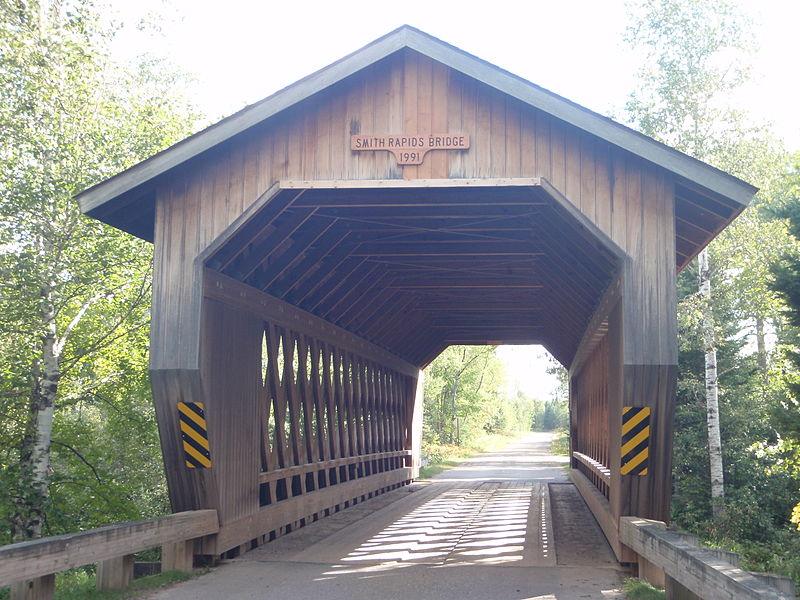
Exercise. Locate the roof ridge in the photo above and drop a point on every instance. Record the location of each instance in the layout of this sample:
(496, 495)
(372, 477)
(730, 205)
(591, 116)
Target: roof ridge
(99, 196)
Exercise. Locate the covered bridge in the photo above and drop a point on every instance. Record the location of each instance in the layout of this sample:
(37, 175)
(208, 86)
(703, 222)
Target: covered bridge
(316, 250)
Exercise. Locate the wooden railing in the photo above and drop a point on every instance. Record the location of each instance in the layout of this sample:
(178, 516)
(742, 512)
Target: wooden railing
(329, 464)
(598, 469)
(690, 571)
(30, 566)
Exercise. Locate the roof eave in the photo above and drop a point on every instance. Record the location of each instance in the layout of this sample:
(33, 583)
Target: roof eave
(407, 37)
(158, 164)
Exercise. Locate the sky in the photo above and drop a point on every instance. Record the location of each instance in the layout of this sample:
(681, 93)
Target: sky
(240, 51)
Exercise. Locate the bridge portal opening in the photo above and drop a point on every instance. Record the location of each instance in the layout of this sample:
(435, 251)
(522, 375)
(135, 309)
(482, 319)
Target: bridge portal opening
(416, 267)
(304, 275)
(321, 303)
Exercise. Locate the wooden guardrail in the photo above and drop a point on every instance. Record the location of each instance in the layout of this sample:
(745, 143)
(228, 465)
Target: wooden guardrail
(327, 464)
(598, 468)
(32, 565)
(695, 572)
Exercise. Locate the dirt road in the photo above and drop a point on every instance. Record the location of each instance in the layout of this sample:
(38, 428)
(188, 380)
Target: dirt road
(504, 525)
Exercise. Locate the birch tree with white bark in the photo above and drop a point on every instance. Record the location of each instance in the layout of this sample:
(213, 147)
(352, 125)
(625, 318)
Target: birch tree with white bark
(70, 288)
(694, 60)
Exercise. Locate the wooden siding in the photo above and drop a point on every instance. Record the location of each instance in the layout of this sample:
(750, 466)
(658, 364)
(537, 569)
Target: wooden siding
(412, 93)
(295, 408)
(589, 415)
(206, 346)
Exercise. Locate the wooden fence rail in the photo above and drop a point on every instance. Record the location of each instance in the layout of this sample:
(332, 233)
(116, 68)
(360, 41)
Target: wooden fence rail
(328, 464)
(597, 468)
(31, 565)
(695, 572)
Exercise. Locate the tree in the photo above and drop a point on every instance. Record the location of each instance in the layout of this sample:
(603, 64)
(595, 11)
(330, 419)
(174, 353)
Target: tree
(693, 53)
(786, 283)
(75, 292)
(463, 395)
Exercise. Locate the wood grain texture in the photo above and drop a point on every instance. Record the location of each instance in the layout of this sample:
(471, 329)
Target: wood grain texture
(306, 389)
(29, 560)
(115, 573)
(699, 571)
(300, 312)
(272, 517)
(230, 382)
(599, 506)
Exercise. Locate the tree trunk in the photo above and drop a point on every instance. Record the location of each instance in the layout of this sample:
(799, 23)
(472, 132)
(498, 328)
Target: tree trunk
(34, 479)
(712, 390)
(453, 397)
(761, 345)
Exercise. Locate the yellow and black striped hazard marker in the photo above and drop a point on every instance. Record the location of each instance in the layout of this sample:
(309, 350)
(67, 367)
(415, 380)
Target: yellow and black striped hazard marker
(196, 450)
(635, 440)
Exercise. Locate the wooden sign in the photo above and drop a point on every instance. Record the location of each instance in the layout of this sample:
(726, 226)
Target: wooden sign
(410, 149)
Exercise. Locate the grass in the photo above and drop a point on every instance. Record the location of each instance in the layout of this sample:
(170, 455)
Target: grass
(636, 589)
(79, 584)
(560, 447)
(435, 468)
(560, 444)
(447, 456)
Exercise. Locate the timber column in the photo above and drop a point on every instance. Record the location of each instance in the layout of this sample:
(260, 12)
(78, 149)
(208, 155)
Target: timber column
(642, 398)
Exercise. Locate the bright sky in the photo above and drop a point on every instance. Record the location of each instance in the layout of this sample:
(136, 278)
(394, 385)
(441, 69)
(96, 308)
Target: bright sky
(243, 50)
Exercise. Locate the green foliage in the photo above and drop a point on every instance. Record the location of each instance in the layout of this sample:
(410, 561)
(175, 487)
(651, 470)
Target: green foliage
(560, 444)
(467, 408)
(74, 293)
(636, 589)
(464, 396)
(79, 584)
(786, 272)
(550, 415)
(695, 57)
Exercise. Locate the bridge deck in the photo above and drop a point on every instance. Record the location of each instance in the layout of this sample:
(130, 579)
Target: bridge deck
(504, 525)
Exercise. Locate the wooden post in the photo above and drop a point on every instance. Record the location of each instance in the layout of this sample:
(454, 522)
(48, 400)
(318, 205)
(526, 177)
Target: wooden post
(41, 588)
(177, 556)
(649, 352)
(115, 573)
(676, 591)
(416, 424)
(651, 573)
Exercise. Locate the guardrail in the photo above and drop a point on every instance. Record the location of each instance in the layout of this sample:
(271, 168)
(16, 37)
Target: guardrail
(328, 464)
(30, 567)
(694, 572)
(598, 468)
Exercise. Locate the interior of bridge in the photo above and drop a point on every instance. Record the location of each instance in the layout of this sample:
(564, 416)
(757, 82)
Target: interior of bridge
(416, 269)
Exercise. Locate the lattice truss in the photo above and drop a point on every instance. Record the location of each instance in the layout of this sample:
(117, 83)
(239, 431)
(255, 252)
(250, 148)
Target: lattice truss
(329, 415)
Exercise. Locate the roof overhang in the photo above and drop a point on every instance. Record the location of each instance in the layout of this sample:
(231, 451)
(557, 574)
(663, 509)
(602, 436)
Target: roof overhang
(416, 266)
(101, 200)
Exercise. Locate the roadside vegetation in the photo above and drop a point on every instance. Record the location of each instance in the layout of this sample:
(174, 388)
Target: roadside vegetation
(469, 410)
(560, 444)
(636, 589)
(78, 440)
(736, 464)
(79, 584)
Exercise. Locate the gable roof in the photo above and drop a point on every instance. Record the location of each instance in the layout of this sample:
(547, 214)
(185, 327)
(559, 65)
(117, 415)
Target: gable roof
(99, 200)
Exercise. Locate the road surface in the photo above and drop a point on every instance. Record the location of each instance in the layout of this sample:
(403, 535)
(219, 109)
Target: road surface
(503, 525)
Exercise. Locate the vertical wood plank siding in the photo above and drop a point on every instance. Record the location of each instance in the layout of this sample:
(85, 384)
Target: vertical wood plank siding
(590, 402)
(338, 403)
(509, 139)
(292, 415)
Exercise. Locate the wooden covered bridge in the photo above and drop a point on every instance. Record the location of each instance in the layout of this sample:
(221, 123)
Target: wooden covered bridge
(316, 250)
